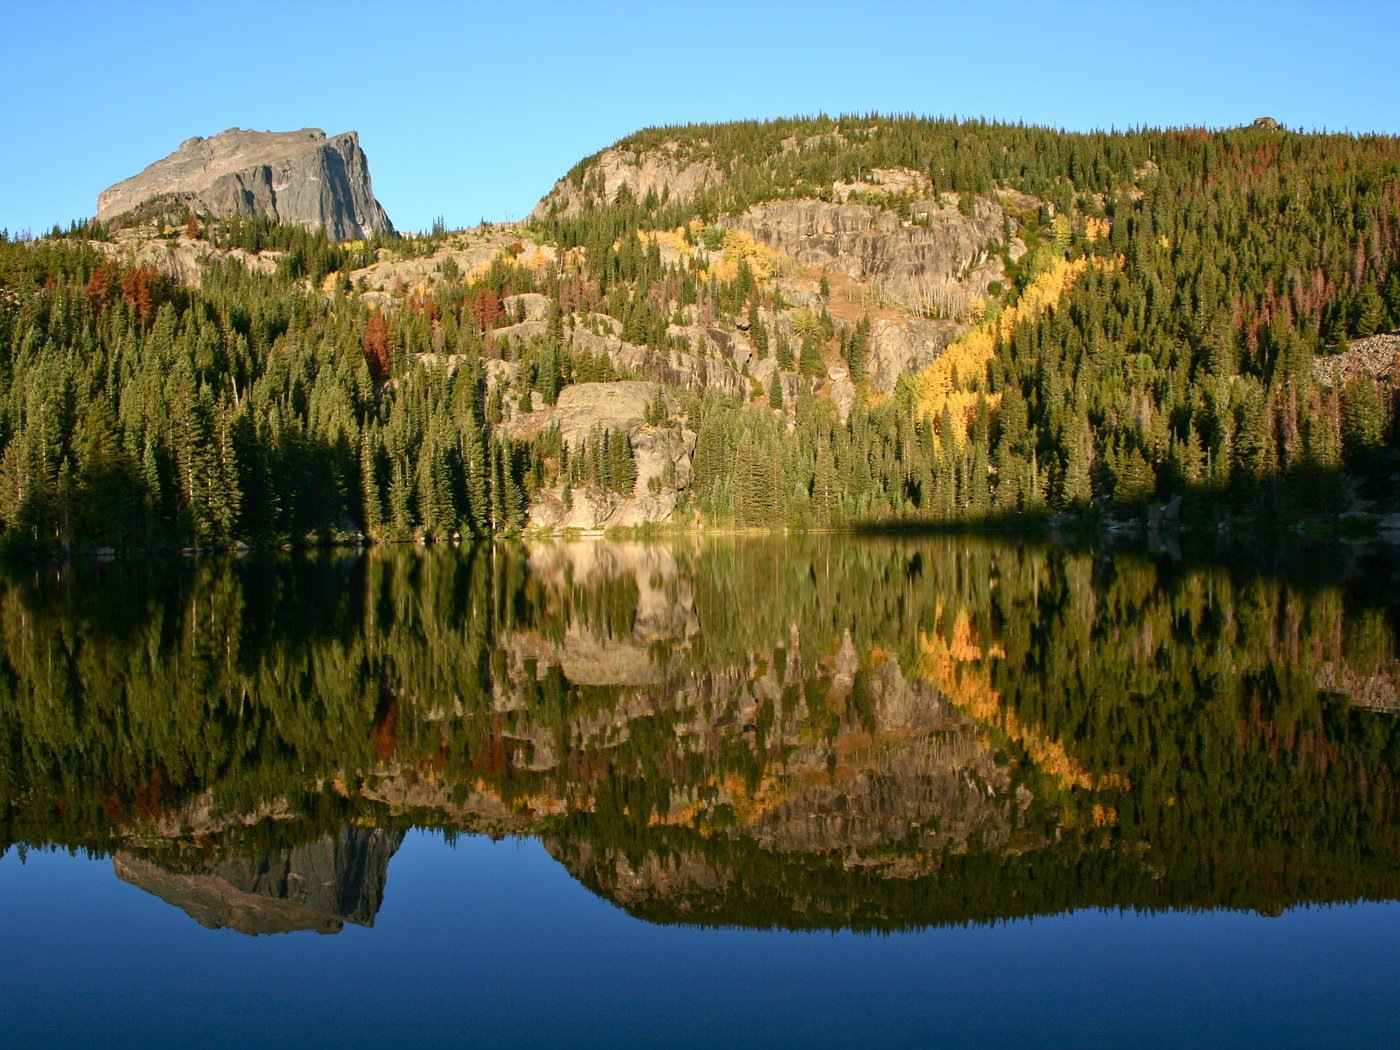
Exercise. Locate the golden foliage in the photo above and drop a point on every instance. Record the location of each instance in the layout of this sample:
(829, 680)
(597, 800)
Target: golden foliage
(959, 666)
(732, 790)
(958, 376)
(672, 239)
(739, 247)
(1105, 816)
(536, 256)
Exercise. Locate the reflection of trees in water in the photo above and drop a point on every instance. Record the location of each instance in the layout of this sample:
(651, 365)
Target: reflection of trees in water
(797, 731)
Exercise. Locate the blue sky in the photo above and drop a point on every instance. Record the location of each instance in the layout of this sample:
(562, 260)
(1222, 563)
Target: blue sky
(472, 110)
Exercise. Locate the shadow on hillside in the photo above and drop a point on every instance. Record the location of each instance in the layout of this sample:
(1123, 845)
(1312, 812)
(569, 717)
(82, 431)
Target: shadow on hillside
(1289, 526)
(1308, 500)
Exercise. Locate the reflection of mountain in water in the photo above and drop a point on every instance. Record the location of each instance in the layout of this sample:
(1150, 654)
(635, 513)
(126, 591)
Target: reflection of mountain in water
(804, 732)
(319, 886)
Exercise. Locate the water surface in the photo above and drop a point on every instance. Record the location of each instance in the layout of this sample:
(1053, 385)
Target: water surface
(926, 792)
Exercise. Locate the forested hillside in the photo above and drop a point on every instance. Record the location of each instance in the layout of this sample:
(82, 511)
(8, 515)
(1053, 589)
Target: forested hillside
(835, 323)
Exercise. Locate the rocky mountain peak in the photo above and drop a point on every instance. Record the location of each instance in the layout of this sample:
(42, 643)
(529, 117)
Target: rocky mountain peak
(299, 177)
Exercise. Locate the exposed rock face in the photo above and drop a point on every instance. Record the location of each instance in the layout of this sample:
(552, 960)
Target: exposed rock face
(896, 348)
(662, 455)
(185, 260)
(702, 368)
(1379, 691)
(533, 305)
(932, 771)
(665, 610)
(469, 253)
(940, 262)
(714, 362)
(606, 406)
(299, 177)
(317, 887)
(662, 172)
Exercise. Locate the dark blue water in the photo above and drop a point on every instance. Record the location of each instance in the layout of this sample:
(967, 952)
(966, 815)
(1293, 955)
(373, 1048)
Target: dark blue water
(762, 793)
(494, 944)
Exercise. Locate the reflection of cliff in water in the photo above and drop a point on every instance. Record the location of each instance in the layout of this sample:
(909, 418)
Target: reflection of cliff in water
(319, 886)
(806, 732)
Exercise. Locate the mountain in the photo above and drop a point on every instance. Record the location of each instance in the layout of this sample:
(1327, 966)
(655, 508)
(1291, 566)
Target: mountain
(809, 323)
(296, 177)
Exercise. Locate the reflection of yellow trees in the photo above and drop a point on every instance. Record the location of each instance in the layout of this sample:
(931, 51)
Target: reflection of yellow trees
(959, 666)
(274, 700)
(748, 803)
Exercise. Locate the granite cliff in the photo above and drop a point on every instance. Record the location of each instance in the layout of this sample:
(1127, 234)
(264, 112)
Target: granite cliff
(298, 177)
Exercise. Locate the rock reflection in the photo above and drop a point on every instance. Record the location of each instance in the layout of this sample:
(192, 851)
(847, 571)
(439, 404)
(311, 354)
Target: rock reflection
(801, 732)
(319, 886)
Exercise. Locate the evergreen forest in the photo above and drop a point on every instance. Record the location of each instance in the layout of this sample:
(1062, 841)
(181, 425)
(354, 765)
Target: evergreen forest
(1167, 303)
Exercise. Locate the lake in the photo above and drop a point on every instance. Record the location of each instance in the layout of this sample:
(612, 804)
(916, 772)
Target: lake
(735, 791)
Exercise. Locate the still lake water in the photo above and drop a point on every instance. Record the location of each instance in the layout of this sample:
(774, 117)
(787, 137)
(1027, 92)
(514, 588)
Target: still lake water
(750, 792)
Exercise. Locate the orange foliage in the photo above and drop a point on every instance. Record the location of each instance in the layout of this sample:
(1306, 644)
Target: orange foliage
(147, 801)
(144, 289)
(384, 734)
(422, 304)
(102, 286)
(376, 344)
(485, 309)
(959, 667)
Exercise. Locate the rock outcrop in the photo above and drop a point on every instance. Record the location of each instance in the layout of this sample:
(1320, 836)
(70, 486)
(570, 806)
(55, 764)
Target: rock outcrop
(300, 177)
(662, 455)
(582, 407)
(922, 774)
(1377, 357)
(899, 347)
(940, 261)
(663, 172)
(1378, 691)
(185, 259)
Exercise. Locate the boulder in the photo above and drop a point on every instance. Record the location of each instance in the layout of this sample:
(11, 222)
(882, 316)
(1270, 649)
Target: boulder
(533, 305)
(582, 407)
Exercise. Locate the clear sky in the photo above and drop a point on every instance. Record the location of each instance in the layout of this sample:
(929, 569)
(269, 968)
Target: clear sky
(471, 110)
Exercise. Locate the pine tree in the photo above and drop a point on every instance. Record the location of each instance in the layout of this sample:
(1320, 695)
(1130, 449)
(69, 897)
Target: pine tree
(784, 353)
(371, 496)
(1076, 489)
(1134, 483)
(1363, 421)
